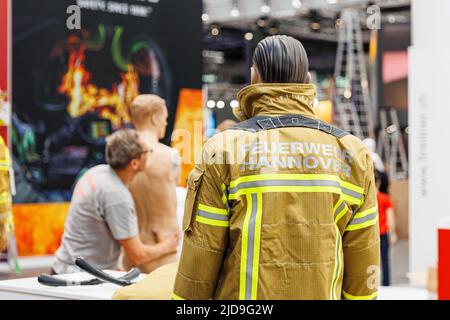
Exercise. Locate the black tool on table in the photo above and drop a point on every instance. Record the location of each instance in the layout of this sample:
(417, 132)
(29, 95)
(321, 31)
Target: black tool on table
(100, 277)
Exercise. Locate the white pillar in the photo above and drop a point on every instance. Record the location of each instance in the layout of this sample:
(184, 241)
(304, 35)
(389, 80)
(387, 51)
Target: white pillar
(429, 120)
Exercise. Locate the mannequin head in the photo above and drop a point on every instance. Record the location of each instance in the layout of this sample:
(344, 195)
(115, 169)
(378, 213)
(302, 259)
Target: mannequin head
(280, 59)
(149, 112)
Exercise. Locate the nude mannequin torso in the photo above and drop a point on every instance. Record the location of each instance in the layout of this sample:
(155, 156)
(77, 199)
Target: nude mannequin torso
(154, 193)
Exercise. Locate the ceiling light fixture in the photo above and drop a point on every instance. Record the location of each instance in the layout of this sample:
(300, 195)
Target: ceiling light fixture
(297, 4)
(235, 12)
(205, 17)
(220, 104)
(211, 104)
(266, 7)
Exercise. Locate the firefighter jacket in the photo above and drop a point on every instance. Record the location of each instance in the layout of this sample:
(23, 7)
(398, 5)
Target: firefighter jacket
(5, 195)
(282, 206)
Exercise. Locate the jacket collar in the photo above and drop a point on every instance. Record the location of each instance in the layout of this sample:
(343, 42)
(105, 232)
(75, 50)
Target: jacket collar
(275, 99)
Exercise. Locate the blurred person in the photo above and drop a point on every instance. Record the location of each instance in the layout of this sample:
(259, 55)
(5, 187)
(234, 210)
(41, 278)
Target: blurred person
(102, 215)
(295, 216)
(224, 125)
(378, 164)
(388, 236)
(154, 189)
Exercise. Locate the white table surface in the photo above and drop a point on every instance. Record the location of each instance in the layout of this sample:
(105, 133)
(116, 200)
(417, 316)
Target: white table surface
(31, 289)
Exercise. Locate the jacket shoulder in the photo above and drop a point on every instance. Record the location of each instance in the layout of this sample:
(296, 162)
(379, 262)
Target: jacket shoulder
(361, 154)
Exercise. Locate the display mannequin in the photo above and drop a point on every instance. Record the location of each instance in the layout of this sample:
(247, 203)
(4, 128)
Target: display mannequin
(154, 190)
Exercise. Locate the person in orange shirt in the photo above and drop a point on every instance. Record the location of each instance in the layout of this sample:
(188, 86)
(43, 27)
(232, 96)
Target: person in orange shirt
(388, 235)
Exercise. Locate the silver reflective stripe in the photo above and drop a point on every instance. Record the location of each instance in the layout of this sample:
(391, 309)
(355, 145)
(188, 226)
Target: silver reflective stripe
(338, 261)
(212, 216)
(352, 193)
(339, 209)
(251, 248)
(364, 219)
(285, 183)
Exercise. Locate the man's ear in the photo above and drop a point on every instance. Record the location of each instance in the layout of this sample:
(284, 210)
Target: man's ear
(134, 164)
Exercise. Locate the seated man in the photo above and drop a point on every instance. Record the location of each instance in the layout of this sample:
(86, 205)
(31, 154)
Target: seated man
(102, 215)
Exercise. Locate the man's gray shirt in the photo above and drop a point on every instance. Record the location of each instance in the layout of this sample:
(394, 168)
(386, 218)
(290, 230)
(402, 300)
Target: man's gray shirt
(101, 213)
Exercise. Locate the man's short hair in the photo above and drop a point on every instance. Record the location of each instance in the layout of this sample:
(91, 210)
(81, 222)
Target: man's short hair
(144, 106)
(122, 147)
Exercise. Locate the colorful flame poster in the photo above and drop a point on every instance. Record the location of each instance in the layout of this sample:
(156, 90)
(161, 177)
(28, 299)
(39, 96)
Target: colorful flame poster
(72, 88)
(39, 227)
(187, 138)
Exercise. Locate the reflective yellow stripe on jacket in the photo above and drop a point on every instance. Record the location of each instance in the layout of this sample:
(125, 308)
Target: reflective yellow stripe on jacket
(337, 266)
(253, 186)
(348, 296)
(175, 297)
(251, 243)
(5, 164)
(363, 219)
(296, 183)
(5, 197)
(212, 216)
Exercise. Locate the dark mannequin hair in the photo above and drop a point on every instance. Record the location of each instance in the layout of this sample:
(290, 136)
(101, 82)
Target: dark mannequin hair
(281, 59)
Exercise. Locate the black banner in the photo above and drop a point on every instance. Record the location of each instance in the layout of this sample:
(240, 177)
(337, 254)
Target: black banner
(77, 65)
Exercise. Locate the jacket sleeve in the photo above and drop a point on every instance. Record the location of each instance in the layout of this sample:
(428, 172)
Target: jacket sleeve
(205, 226)
(5, 196)
(361, 245)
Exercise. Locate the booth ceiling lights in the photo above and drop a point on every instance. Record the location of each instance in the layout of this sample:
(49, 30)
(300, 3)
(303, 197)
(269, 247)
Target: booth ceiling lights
(234, 104)
(235, 12)
(211, 104)
(315, 24)
(220, 104)
(297, 4)
(266, 7)
(215, 30)
(249, 36)
(205, 17)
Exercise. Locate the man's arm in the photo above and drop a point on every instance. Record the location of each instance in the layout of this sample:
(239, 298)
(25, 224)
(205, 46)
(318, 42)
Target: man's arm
(122, 221)
(206, 231)
(361, 246)
(140, 253)
(391, 224)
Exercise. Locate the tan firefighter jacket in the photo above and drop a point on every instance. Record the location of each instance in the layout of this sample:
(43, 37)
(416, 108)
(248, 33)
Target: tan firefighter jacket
(5, 195)
(282, 206)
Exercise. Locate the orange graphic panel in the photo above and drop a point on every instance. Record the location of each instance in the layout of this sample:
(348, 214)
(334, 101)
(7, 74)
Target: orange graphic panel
(39, 227)
(187, 137)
